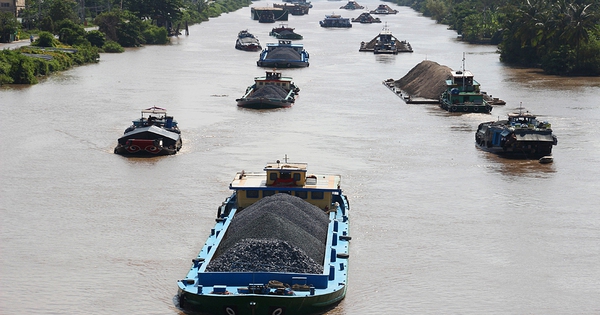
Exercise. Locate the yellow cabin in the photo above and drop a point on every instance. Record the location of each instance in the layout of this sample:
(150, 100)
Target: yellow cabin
(289, 178)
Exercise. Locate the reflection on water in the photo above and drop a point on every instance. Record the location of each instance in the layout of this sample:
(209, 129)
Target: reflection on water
(517, 168)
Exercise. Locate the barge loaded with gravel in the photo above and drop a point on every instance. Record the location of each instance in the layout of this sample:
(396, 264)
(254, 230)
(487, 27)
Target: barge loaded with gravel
(270, 91)
(279, 246)
(283, 54)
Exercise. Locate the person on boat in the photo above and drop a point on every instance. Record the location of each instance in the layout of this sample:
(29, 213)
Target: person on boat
(151, 120)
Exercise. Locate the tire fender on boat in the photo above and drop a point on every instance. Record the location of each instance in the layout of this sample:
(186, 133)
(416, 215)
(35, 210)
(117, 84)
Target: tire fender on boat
(229, 311)
(133, 148)
(453, 108)
(277, 311)
(152, 149)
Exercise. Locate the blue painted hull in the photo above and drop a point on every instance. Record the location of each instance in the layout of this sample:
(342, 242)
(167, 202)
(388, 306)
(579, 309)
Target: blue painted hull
(236, 292)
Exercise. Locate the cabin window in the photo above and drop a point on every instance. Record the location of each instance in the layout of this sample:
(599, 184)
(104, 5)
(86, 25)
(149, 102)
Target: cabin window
(316, 195)
(285, 175)
(252, 194)
(267, 193)
(296, 176)
(273, 176)
(301, 194)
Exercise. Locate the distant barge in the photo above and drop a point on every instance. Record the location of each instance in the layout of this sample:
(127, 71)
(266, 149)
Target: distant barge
(269, 14)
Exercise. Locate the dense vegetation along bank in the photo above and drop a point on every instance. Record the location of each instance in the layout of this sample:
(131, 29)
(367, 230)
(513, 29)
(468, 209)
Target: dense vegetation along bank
(63, 41)
(558, 36)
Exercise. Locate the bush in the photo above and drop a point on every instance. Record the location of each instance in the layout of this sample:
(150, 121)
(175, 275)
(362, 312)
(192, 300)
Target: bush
(46, 39)
(96, 38)
(71, 33)
(22, 70)
(155, 35)
(112, 47)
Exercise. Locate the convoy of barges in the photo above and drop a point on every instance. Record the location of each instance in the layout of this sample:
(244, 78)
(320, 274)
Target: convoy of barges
(226, 277)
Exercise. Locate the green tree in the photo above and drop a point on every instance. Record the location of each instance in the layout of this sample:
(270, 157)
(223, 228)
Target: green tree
(71, 33)
(63, 10)
(122, 27)
(161, 12)
(8, 26)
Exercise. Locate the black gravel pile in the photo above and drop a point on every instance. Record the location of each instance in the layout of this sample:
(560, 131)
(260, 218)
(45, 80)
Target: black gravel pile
(285, 53)
(270, 91)
(284, 219)
(267, 255)
(285, 33)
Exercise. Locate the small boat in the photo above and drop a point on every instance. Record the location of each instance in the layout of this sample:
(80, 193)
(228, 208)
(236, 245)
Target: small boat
(383, 9)
(385, 43)
(270, 91)
(153, 134)
(247, 41)
(283, 54)
(352, 5)
(280, 245)
(335, 20)
(521, 136)
(463, 94)
(284, 32)
(366, 18)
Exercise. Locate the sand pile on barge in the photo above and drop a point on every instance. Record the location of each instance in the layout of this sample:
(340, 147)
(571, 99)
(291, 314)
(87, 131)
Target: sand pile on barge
(425, 80)
(279, 233)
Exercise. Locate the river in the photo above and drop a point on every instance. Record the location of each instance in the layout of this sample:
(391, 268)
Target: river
(437, 226)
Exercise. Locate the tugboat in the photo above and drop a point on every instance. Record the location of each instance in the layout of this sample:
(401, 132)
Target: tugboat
(385, 43)
(283, 54)
(521, 136)
(248, 42)
(280, 245)
(463, 94)
(270, 91)
(284, 32)
(352, 5)
(366, 18)
(153, 134)
(384, 9)
(335, 20)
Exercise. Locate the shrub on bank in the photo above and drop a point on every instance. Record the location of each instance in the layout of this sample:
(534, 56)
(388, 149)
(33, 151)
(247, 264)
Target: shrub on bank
(155, 35)
(24, 65)
(112, 47)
